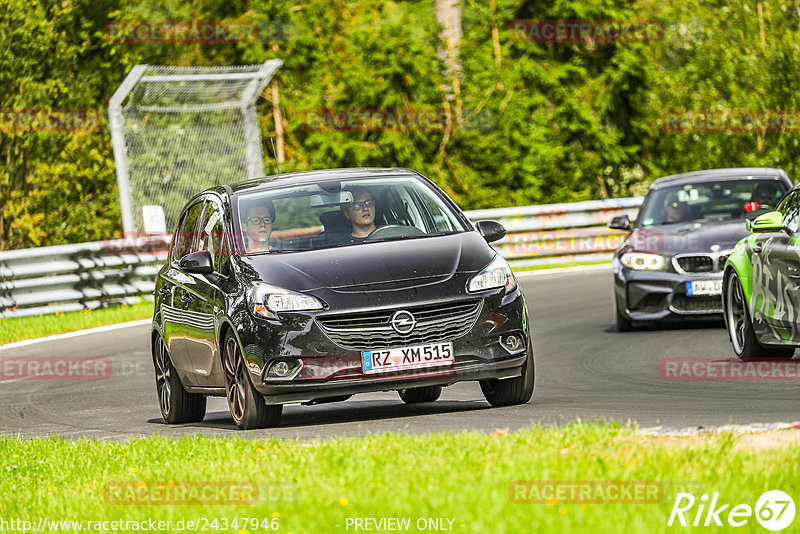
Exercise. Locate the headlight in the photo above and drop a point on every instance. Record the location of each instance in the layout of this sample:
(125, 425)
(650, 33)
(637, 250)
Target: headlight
(641, 261)
(496, 274)
(268, 301)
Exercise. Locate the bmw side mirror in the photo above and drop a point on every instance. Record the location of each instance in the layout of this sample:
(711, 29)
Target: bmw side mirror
(620, 222)
(491, 230)
(768, 222)
(197, 262)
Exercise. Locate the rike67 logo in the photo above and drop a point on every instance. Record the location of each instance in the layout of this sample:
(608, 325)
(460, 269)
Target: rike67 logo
(774, 510)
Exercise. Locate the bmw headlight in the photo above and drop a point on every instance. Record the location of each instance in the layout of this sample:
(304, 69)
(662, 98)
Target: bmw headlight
(268, 301)
(642, 261)
(496, 274)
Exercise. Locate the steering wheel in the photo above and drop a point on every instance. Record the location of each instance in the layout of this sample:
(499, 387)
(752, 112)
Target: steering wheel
(393, 230)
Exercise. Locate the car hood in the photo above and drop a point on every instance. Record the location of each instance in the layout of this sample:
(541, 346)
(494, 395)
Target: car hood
(671, 239)
(372, 266)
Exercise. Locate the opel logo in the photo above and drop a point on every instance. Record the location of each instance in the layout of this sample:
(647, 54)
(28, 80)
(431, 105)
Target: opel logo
(403, 322)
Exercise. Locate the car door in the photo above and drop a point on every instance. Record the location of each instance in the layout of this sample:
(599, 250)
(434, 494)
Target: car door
(205, 299)
(174, 305)
(782, 263)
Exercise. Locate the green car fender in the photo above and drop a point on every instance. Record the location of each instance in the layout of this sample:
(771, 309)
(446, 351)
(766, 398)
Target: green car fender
(739, 261)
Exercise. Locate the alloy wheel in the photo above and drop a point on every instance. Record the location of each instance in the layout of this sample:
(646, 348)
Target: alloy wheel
(736, 313)
(163, 379)
(235, 379)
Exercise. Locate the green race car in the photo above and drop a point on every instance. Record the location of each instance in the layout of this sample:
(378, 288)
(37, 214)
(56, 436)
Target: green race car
(761, 284)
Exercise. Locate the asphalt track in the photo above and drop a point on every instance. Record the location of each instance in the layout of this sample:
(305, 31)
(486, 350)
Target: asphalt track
(585, 370)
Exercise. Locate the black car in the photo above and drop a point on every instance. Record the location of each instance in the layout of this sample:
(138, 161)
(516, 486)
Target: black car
(311, 287)
(670, 265)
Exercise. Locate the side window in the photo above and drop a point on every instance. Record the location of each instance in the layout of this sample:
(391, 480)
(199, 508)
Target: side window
(187, 231)
(211, 233)
(789, 208)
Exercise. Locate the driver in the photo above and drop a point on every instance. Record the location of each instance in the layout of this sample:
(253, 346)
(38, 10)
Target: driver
(674, 208)
(258, 226)
(766, 194)
(361, 214)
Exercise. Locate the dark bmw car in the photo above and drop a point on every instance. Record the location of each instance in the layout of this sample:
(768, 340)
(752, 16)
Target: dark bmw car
(312, 287)
(670, 265)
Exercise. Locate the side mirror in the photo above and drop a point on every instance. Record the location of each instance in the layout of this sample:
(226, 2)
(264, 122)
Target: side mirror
(768, 222)
(491, 230)
(197, 262)
(620, 222)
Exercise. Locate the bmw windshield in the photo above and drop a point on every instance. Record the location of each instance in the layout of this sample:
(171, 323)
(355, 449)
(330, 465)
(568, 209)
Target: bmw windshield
(710, 201)
(338, 213)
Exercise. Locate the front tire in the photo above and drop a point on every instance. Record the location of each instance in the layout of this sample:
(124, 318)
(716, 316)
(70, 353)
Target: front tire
(177, 405)
(246, 404)
(511, 391)
(740, 327)
(422, 394)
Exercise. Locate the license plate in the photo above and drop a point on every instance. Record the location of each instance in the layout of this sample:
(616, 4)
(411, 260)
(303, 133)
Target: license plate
(405, 358)
(704, 287)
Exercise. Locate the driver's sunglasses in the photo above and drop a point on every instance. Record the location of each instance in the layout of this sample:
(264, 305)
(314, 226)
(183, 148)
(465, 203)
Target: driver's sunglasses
(365, 204)
(676, 204)
(766, 196)
(258, 221)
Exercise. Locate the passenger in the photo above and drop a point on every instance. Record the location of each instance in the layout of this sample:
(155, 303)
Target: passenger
(674, 208)
(258, 226)
(361, 214)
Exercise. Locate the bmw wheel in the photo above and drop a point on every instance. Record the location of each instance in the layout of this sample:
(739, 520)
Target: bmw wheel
(247, 406)
(177, 405)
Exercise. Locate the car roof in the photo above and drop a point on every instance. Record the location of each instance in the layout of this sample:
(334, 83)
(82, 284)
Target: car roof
(721, 175)
(305, 177)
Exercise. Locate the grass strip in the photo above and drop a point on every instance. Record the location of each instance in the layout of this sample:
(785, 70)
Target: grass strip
(19, 328)
(315, 486)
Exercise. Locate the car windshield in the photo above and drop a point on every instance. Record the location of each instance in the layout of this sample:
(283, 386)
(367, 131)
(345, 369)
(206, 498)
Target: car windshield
(341, 213)
(710, 201)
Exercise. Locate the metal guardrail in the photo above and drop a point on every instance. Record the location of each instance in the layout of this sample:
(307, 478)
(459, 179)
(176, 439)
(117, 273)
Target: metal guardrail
(90, 275)
(79, 276)
(556, 234)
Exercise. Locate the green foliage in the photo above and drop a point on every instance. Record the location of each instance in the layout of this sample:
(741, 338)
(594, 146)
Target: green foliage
(557, 121)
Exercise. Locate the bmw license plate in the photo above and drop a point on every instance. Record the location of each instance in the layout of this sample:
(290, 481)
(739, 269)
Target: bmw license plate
(406, 358)
(704, 287)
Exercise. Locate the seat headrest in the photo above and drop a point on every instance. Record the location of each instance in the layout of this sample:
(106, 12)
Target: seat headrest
(334, 221)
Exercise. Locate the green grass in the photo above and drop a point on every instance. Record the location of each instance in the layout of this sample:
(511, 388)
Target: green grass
(313, 486)
(19, 328)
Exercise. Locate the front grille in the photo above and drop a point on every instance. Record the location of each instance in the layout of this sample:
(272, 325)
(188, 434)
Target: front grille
(696, 264)
(373, 330)
(697, 304)
(713, 262)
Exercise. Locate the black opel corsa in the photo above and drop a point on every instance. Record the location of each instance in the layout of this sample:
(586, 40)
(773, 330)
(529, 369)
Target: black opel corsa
(311, 287)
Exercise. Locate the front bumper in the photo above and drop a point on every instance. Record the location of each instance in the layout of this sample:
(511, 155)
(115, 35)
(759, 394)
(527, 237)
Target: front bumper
(330, 369)
(656, 295)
